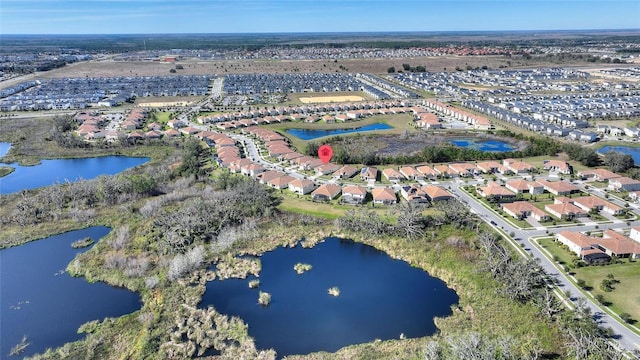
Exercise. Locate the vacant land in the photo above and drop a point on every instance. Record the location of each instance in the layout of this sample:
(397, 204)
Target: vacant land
(330, 99)
(221, 67)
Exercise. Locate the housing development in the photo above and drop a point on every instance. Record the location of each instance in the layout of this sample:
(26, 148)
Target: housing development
(507, 173)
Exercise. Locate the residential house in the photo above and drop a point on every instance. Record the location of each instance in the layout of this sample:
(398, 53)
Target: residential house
(327, 168)
(444, 171)
(384, 196)
(558, 166)
(523, 209)
(436, 193)
(368, 173)
(281, 182)
(413, 193)
(252, 170)
(558, 188)
(411, 173)
(489, 167)
(516, 167)
(267, 176)
(565, 210)
(616, 244)
(392, 175)
(345, 172)
(577, 242)
(592, 203)
(624, 183)
(601, 175)
(354, 194)
(463, 169)
(520, 186)
(497, 192)
(611, 243)
(302, 186)
(326, 192)
(428, 172)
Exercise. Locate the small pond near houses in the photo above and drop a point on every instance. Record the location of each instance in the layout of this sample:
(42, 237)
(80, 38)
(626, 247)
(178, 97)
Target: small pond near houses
(50, 172)
(42, 302)
(380, 298)
(483, 145)
(309, 134)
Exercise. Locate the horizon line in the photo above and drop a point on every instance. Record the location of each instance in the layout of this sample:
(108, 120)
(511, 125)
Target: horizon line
(364, 32)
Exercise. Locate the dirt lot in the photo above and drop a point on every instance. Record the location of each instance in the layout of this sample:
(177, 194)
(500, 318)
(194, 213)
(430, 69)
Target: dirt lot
(329, 99)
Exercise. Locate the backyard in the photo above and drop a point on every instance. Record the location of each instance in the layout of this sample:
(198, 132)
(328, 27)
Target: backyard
(625, 296)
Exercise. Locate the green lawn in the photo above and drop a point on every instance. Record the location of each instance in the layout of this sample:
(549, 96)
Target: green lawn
(626, 295)
(564, 256)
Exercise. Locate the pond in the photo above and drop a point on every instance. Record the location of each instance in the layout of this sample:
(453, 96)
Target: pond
(308, 134)
(50, 172)
(628, 150)
(4, 148)
(483, 145)
(42, 302)
(380, 298)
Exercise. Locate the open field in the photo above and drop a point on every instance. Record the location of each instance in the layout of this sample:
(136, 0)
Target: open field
(330, 99)
(626, 295)
(108, 68)
(334, 96)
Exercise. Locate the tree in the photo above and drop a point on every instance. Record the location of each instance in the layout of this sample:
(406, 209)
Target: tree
(173, 71)
(406, 67)
(618, 162)
(409, 220)
(391, 70)
(193, 156)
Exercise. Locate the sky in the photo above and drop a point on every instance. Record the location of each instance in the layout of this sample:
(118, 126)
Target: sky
(265, 16)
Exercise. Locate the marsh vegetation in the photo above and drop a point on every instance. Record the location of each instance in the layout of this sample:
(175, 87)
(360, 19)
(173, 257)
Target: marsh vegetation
(301, 268)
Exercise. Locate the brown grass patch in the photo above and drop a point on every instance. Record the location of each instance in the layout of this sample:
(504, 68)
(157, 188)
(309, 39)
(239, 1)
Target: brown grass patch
(330, 99)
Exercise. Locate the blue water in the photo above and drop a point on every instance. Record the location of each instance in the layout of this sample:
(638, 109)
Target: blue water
(483, 145)
(60, 170)
(4, 148)
(628, 150)
(40, 300)
(306, 134)
(380, 299)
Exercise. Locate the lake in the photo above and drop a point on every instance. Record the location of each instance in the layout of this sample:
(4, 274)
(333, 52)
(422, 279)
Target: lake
(307, 134)
(483, 145)
(628, 150)
(40, 300)
(50, 172)
(380, 298)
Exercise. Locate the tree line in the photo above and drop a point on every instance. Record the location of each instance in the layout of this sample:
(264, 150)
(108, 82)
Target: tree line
(344, 152)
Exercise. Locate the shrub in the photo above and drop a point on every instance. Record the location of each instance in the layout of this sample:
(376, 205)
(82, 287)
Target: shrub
(264, 298)
(184, 263)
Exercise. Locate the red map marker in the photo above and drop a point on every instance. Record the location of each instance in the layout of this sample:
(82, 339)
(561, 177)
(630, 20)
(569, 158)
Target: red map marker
(325, 152)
